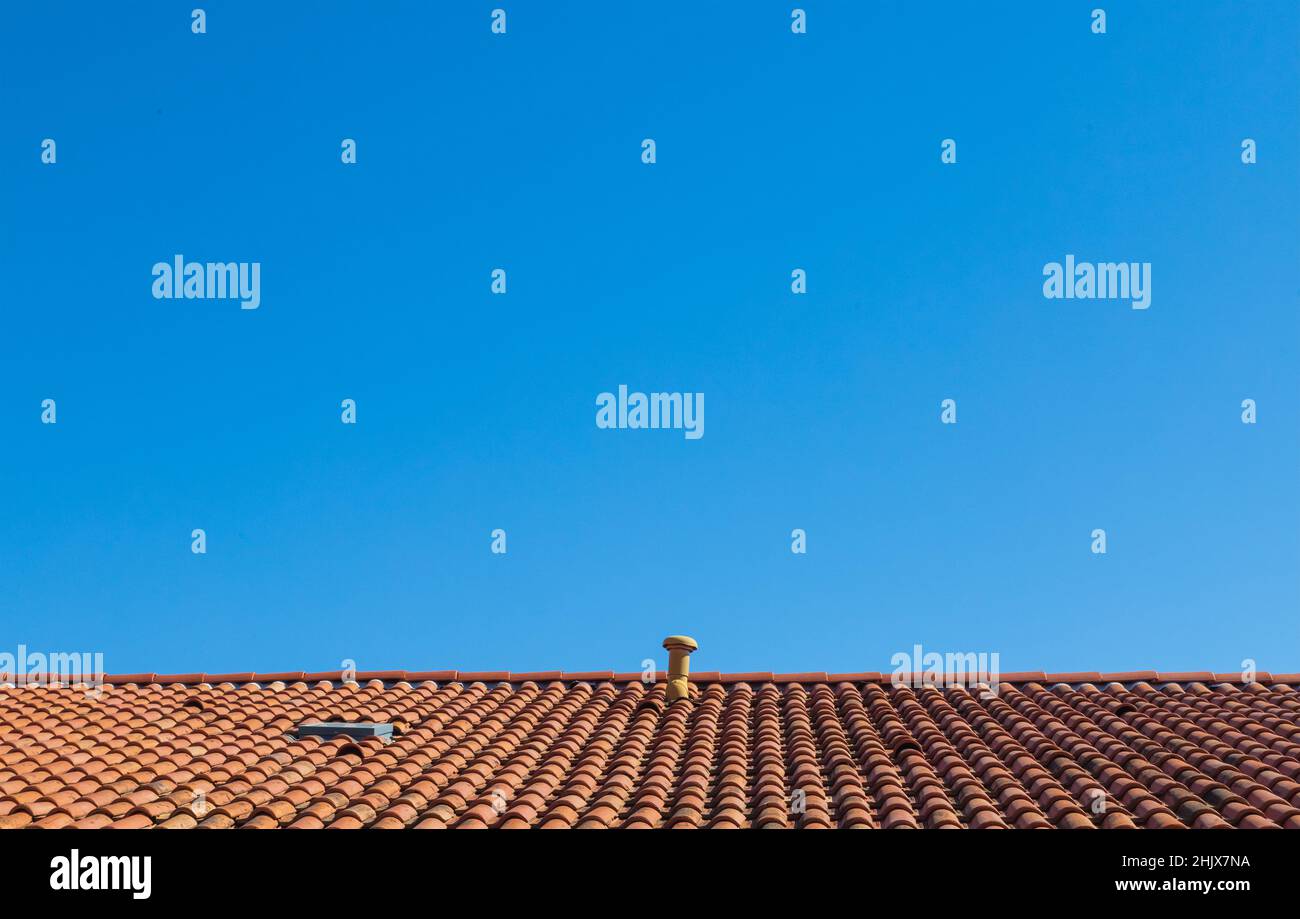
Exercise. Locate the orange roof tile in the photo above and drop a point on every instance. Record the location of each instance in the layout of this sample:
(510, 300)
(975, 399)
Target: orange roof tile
(599, 749)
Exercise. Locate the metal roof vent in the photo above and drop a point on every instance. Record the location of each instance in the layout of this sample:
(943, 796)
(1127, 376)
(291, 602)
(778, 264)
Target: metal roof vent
(357, 730)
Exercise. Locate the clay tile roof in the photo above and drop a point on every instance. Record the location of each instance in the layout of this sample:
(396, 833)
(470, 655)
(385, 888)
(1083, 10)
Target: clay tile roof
(601, 749)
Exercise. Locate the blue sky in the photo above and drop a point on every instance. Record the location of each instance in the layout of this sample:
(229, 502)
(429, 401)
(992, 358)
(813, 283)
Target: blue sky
(476, 411)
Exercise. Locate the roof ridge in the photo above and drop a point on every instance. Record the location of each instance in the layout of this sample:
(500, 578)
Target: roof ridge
(607, 676)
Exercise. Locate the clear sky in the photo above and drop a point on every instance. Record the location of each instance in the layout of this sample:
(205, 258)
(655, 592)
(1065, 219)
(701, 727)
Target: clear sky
(775, 151)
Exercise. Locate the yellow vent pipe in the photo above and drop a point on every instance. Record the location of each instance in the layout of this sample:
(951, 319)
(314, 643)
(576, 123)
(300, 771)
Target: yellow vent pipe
(679, 665)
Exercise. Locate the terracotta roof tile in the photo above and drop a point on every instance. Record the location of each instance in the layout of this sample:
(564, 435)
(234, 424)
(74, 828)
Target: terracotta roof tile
(599, 749)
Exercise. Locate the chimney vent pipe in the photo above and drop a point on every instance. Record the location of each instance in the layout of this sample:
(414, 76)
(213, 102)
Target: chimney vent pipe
(679, 665)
